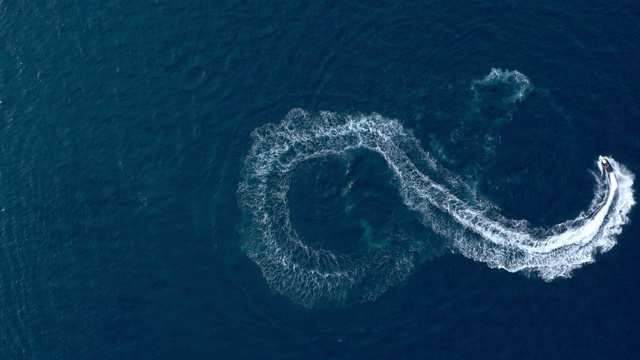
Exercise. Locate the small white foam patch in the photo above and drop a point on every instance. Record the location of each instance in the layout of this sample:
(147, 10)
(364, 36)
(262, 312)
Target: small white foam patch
(520, 84)
(478, 231)
(492, 107)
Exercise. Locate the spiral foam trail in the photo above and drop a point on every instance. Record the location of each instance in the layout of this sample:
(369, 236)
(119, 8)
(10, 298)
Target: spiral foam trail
(478, 231)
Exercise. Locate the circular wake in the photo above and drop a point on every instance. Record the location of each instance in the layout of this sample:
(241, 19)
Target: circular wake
(474, 229)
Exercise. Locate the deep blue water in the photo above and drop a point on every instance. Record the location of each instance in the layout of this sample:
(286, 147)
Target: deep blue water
(124, 130)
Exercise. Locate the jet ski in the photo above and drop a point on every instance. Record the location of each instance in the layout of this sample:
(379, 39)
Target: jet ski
(606, 165)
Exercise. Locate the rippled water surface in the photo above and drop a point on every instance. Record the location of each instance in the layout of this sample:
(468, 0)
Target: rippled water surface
(282, 180)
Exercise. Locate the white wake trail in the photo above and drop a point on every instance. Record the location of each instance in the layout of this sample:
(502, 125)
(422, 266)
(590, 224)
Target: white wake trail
(478, 231)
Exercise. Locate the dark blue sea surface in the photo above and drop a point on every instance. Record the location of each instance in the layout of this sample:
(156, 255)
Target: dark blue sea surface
(128, 185)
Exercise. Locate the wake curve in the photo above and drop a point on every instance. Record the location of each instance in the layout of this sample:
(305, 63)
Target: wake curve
(478, 231)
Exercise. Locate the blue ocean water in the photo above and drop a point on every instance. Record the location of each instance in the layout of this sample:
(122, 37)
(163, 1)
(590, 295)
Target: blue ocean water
(127, 189)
